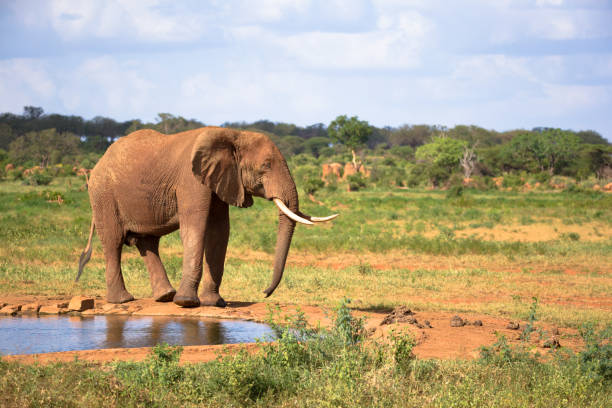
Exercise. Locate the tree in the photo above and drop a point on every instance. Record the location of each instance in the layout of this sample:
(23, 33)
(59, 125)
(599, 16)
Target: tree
(315, 144)
(6, 136)
(350, 132)
(544, 150)
(42, 146)
(414, 136)
(440, 158)
(468, 160)
(474, 134)
(591, 137)
(169, 124)
(291, 145)
(32, 112)
(598, 159)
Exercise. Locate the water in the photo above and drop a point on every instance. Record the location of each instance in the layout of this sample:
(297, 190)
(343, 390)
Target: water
(45, 334)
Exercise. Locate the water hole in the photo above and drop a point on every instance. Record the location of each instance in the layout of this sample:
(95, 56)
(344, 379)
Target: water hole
(46, 334)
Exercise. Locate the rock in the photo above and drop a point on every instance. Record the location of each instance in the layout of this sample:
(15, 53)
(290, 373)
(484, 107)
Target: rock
(30, 308)
(553, 343)
(456, 321)
(477, 323)
(62, 305)
(114, 308)
(80, 303)
(349, 170)
(331, 171)
(108, 307)
(52, 309)
(513, 326)
(10, 310)
(400, 314)
(427, 324)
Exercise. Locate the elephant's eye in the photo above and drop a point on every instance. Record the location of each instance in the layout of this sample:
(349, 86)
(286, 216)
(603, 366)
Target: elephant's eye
(267, 165)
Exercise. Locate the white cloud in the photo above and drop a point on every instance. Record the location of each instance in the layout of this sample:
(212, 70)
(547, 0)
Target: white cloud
(396, 43)
(256, 94)
(107, 86)
(271, 10)
(24, 82)
(143, 20)
(549, 2)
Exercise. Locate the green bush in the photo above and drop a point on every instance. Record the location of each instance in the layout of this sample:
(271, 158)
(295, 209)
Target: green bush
(312, 185)
(14, 174)
(356, 182)
(596, 358)
(38, 178)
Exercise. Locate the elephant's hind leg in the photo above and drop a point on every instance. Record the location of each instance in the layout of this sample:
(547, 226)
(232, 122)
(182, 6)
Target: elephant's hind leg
(115, 286)
(215, 246)
(148, 246)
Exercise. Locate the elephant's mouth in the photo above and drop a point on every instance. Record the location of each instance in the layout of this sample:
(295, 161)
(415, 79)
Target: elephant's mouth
(300, 217)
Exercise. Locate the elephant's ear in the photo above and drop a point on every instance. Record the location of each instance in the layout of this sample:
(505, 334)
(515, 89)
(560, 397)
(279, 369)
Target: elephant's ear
(215, 161)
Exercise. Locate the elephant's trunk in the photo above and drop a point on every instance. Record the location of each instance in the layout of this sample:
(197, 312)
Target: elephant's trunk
(283, 241)
(287, 193)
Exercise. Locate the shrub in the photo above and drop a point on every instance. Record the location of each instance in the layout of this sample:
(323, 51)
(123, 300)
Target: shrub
(356, 182)
(348, 329)
(38, 179)
(402, 345)
(455, 191)
(596, 358)
(312, 185)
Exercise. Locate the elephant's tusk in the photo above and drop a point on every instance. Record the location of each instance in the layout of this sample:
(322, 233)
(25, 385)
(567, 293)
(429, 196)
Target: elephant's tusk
(323, 219)
(317, 219)
(281, 206)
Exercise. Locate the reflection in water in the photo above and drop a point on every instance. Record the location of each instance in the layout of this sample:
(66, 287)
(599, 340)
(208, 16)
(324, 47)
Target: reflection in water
(26, 335)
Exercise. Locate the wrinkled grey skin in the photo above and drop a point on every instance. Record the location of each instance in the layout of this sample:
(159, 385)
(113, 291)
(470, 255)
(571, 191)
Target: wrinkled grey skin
(149, 184)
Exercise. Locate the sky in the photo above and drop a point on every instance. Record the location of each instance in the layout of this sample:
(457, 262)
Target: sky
(498, 64)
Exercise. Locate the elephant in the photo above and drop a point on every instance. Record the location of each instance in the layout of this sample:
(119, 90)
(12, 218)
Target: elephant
(149, 184)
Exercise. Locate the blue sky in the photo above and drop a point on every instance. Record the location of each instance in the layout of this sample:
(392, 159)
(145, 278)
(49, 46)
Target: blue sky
(499, 64)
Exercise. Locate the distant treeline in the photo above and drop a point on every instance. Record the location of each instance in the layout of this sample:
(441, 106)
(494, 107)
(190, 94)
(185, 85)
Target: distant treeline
(38, 139)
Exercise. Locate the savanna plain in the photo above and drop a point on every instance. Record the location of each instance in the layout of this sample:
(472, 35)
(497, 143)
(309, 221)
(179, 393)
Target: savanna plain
(542, 259)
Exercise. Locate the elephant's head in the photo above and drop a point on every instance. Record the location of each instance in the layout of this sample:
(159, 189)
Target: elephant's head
(237, 165)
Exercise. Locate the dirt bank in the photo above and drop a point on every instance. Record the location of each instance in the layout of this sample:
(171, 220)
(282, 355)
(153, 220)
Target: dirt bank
(435, 336)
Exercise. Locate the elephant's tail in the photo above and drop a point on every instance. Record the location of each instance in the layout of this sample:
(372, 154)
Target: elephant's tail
(86, 255)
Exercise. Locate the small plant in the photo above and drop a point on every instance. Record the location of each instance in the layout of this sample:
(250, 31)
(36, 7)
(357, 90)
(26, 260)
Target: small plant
(501, 352)
(365, 268)
(596, 358)
(531, 319)
(402, 346)
(571, 236)
(455, 192)
(349, 329)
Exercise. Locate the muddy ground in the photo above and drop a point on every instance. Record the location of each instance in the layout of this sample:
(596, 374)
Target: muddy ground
(436, 336)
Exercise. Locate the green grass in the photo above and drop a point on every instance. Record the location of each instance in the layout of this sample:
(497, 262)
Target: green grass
(334, 367)
(357, 254)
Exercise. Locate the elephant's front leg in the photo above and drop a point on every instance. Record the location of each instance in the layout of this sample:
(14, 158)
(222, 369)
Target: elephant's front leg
(149, 250)
(193, 228)
(215, 247)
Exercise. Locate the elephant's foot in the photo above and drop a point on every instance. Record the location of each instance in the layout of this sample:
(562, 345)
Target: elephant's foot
(119, 297)
(186, 301)
(165, 296)
(212, 299)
